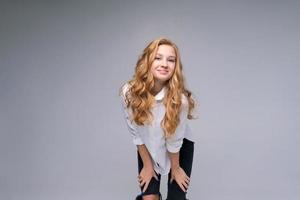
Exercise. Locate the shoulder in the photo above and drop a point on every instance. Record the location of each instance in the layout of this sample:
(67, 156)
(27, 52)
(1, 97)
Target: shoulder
(184, 100)
(124, 89)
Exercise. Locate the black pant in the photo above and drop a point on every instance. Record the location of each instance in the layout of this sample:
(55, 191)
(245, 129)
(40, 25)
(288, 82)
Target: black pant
(186, 155)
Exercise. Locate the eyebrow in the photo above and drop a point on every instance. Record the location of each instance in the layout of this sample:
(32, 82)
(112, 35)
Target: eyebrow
(169, 56)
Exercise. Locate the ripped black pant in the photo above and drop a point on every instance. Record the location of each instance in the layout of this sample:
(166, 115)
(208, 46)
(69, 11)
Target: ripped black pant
(186, 155)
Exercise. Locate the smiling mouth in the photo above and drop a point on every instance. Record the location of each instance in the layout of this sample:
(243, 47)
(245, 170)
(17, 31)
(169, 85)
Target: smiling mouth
(163, 71)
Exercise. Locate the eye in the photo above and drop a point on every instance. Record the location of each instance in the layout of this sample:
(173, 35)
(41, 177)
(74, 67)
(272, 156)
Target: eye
(157, 58)
(172, 60)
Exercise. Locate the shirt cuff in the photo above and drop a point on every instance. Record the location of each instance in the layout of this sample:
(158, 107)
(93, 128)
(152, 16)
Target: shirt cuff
(137, 141)
(174, 147)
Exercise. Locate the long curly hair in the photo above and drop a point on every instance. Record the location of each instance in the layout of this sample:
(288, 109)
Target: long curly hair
(140, 99)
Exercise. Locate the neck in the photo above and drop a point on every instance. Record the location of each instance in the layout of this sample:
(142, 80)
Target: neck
(158, 86)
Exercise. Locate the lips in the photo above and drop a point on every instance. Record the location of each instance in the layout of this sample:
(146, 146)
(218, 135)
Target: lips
(163, 71)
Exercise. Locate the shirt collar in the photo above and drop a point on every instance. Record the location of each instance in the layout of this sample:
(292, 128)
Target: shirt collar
(160, 95)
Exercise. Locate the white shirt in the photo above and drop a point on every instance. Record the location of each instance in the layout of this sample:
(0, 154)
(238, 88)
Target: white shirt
(152, 135)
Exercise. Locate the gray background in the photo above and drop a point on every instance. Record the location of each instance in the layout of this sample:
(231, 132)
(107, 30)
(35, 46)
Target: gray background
(62, 132)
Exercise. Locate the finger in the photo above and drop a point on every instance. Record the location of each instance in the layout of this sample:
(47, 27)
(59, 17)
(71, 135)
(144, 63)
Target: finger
(142, 183)
(185, 185)
(155, 176)
(146, 186)
(188, 178)
(171, 180)
(181, 186)
(187, 181)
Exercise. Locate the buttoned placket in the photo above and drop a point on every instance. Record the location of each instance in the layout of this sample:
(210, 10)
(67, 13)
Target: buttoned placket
(156, 125)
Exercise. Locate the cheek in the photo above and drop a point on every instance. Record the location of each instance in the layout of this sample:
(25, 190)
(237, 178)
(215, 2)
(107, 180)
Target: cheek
(153, 66)
(172, 69)
(152, 69)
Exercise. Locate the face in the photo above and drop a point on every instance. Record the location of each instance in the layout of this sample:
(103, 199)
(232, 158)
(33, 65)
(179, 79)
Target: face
(164, 63)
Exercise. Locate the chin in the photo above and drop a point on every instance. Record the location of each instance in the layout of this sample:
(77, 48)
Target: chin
(162, 79)
(159, 76)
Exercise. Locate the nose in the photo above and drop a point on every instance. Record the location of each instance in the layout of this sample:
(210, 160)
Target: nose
(164, 63)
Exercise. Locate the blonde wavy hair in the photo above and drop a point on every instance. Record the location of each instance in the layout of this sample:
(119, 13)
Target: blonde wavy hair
(140, 99)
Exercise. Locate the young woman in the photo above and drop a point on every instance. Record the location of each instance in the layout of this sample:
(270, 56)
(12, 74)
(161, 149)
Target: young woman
(156, 107)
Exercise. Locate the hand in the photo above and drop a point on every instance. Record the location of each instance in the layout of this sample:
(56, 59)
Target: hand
(145, 177)
(180, 177)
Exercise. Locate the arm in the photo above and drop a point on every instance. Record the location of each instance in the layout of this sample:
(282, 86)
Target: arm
(141, 147)
(174, 144)
(177, 173)
(145, 155)
(132, 128)
(174, 157)
(147, 172)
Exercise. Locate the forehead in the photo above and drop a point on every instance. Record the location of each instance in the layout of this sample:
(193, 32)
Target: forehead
(166, 50)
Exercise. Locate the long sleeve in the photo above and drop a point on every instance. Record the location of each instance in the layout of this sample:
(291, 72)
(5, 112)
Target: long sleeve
(132, 127)
(174, 142)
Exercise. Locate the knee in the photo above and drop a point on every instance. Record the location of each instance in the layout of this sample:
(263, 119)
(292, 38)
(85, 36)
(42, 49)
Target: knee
(151, 197)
